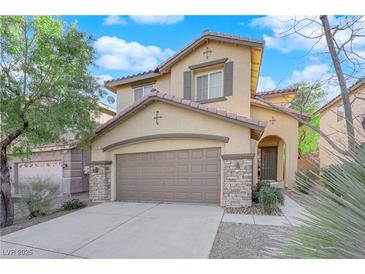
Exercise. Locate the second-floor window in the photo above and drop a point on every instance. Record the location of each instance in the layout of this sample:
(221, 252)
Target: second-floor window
(340, 113)
(141, 91)
(209, 86)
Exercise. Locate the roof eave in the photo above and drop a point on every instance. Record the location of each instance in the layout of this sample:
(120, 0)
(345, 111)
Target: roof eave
(258, 126)
(250, 43)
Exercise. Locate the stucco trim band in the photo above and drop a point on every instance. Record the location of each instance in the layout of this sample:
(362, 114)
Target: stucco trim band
(238, 156)
(167, 136)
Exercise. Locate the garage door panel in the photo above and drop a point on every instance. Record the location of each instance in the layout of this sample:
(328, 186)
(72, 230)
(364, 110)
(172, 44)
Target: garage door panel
(172, 176)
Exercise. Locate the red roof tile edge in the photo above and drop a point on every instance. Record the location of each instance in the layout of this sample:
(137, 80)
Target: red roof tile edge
(257, 124)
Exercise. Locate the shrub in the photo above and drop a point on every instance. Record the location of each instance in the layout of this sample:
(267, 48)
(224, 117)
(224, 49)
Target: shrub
(255, 193)
(333, 226)
(73, 204)
(261, 184)
(270, 197)
(39, 196)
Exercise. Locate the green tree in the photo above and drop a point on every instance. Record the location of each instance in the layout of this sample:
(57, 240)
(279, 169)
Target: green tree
(308, 100)
(46, 90)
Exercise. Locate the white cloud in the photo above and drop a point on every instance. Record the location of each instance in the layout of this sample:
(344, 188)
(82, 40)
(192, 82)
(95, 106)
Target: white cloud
(283, 38)
(311, 73)
(118, 54)
(114, 20)
(320, 73)
(157, 19)
(266, 83)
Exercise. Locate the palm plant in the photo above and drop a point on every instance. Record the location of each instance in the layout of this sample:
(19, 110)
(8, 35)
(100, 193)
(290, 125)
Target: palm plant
(334, 225)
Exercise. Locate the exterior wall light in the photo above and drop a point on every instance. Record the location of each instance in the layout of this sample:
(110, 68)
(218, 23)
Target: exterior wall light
(238, 167)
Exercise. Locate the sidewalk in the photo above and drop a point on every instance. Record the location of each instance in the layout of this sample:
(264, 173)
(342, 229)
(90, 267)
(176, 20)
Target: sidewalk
(290, 209)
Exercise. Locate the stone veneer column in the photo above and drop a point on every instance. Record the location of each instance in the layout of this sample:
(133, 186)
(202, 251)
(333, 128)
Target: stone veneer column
(237, 180)
(100, 181)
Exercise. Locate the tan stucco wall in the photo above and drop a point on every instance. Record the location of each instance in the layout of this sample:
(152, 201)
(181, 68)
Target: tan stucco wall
(285, 128)
(283, 100)
(336, 130)
(175, 120)
(172, 82)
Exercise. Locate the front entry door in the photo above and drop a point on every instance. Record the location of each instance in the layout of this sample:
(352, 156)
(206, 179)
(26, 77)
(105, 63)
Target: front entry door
(268, 163)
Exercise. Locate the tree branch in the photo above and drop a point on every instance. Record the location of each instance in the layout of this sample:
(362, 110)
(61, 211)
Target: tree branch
(307, 124)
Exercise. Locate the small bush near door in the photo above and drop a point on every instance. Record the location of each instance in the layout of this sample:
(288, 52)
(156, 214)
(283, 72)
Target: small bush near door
(38, 197)
(270, 198)
(255, 193)
(73, 204)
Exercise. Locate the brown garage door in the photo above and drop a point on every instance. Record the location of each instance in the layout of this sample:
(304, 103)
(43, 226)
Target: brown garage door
(170, 176)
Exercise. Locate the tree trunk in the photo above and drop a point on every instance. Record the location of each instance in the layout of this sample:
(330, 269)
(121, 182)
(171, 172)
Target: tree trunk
(307, 124)
(6, 204)
(342, 82)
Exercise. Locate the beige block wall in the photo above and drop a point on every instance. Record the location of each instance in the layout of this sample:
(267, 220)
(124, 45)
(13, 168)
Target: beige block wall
(172, 82)
(336, 130)
(285, 128)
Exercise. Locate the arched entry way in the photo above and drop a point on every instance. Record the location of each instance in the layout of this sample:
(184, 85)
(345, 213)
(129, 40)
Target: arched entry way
(271, 157)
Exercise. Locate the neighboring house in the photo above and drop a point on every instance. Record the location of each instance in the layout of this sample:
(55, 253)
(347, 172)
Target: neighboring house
(192, 131)
(332, 122)
(60, 164)
(281, 97)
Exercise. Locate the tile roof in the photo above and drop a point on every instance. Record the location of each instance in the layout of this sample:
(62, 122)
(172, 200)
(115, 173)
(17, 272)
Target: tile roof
(212, 35)
(205, 35)
(303, 115)
(130, 76)
(155, 95)
(278, 91)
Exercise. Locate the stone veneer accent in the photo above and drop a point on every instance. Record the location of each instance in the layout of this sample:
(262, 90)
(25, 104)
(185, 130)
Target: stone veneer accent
(237, 183)
(100, 181)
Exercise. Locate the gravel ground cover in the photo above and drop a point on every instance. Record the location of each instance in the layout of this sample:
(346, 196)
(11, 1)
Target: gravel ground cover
(245, 241)
(255, 209)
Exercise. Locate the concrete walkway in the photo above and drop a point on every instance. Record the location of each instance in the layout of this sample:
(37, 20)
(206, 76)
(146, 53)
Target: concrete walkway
(120, 230)
(291, 211)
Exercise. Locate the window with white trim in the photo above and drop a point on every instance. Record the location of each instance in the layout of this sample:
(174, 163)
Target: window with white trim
(141, 91)
(340, 113)
(209, 86)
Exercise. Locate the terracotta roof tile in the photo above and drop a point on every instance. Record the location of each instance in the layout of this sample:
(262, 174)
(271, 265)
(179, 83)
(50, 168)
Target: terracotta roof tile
(159, 96)
(206, 34)
(129, 76)
(277, 91)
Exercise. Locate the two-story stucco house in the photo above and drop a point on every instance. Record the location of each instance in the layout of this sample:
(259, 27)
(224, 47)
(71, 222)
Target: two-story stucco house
(333, 122)
(192, 131)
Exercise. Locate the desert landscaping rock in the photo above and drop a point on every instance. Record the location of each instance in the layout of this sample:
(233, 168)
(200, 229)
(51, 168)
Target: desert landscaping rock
(254, 210)
(245, 241)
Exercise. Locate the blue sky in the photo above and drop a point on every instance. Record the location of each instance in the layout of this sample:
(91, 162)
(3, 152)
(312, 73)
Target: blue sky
(131, 44)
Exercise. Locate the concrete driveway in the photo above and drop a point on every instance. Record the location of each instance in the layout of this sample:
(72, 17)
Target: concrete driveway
(120, 230)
